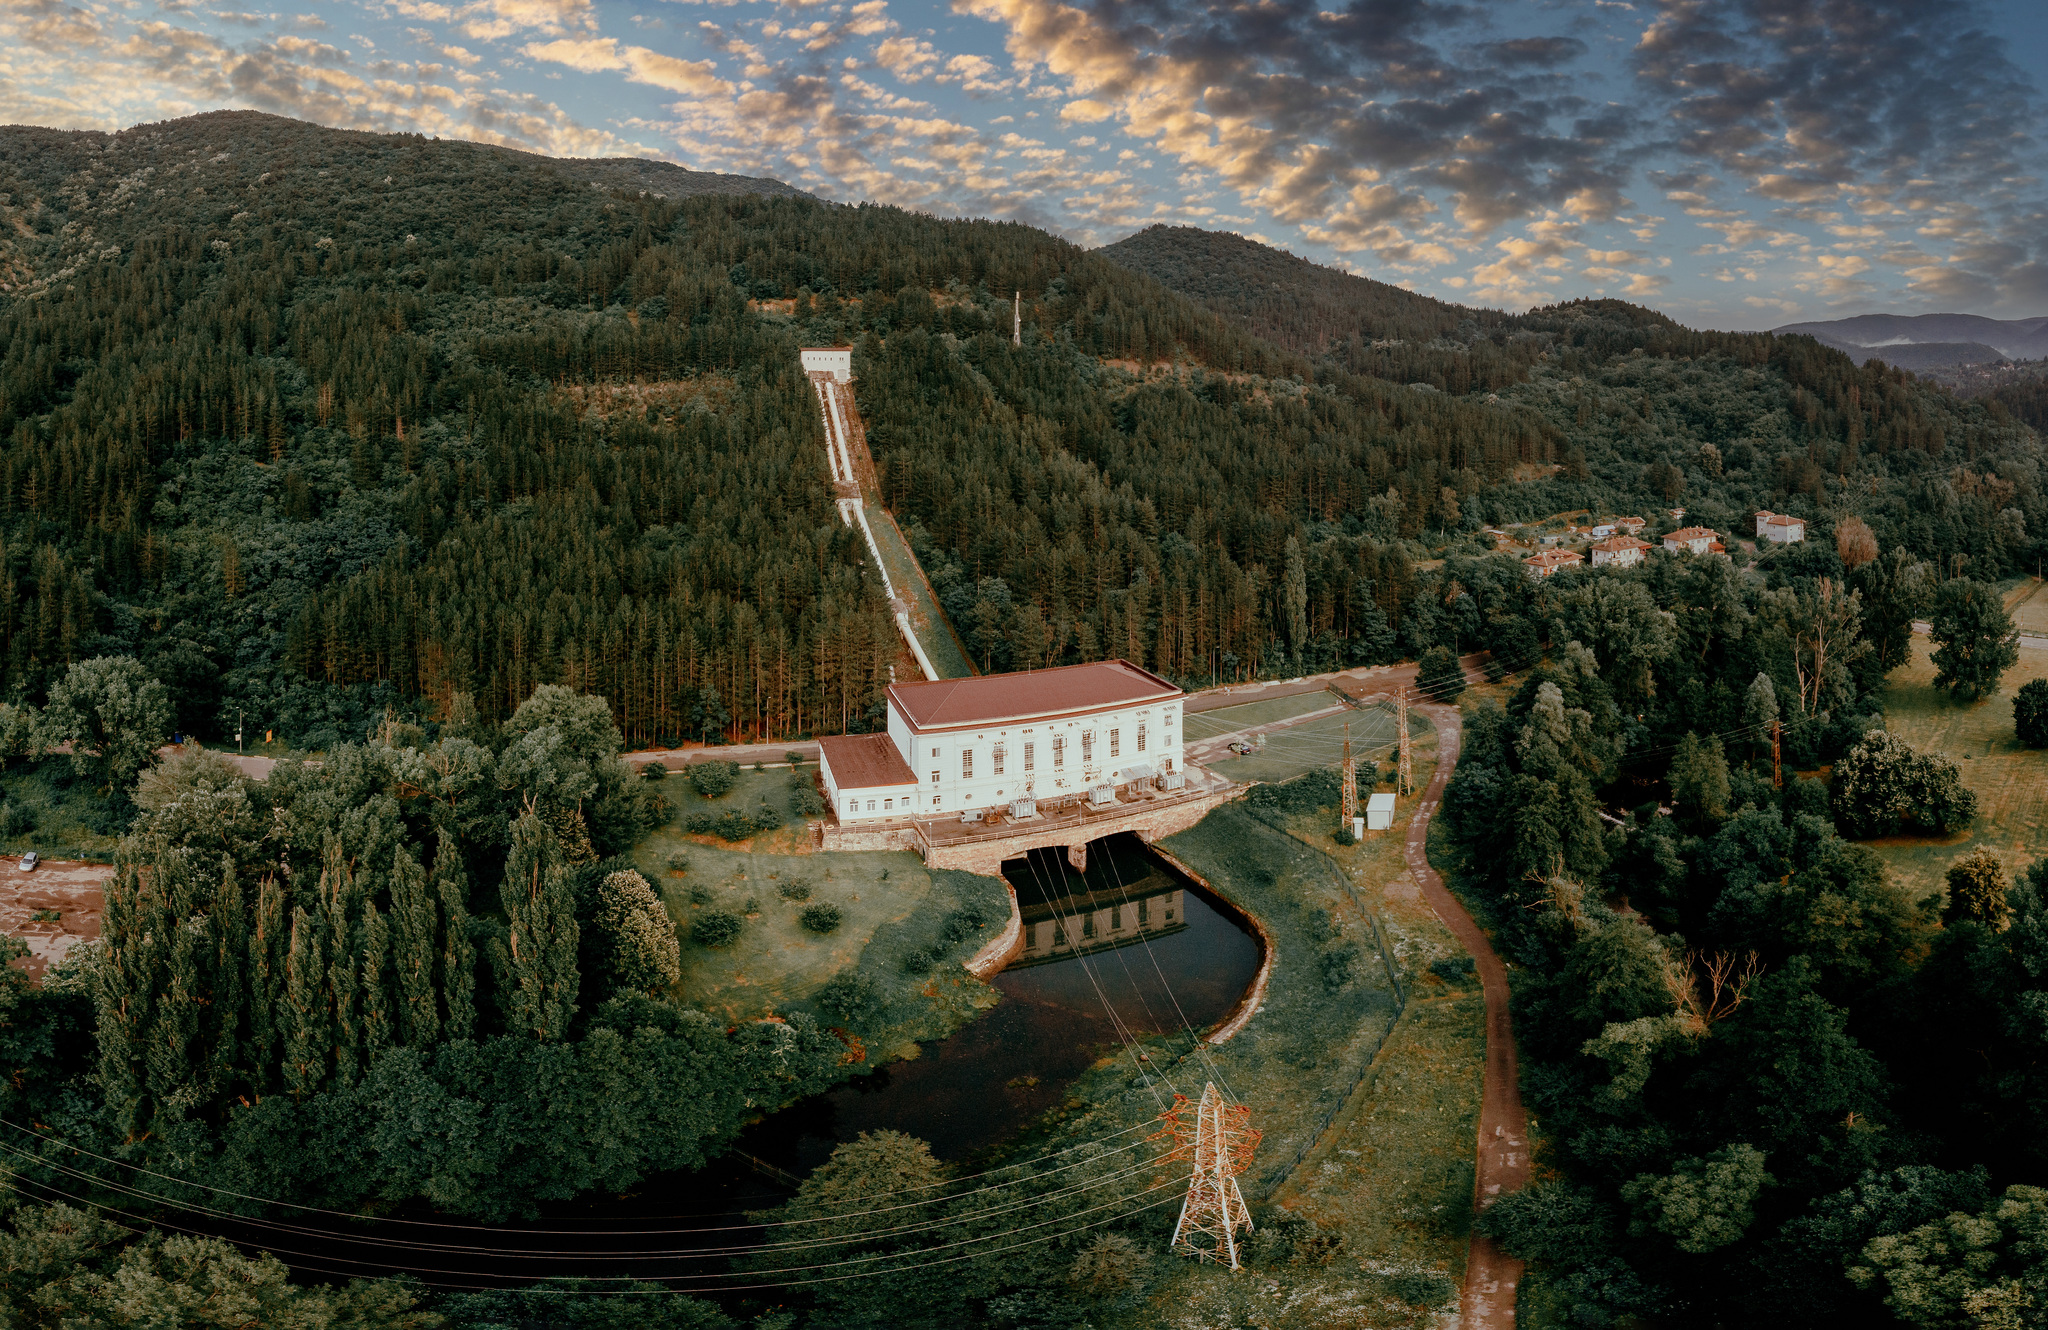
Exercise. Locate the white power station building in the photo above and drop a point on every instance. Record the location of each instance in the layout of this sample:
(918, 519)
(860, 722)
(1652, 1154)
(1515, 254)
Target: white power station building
(834, 360)
(958, 746)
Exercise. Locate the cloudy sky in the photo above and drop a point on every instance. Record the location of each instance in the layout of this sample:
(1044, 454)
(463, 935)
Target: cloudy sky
(1737, 163)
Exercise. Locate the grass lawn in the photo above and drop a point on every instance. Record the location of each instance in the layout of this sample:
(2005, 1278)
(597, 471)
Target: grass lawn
(891, 907)
(2027, 603)
(2010, 779)
(1223, 720)
(1320, 743)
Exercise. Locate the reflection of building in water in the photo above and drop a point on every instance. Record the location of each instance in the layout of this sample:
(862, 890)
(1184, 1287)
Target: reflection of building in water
(1087, 922)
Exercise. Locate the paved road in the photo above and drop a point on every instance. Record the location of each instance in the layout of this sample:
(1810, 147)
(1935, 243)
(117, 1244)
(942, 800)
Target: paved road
(1491, 1275)
(2030, 641)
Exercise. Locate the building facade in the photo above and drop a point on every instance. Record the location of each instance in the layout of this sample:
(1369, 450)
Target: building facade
(1778, 528)
(834, 360)
(965, 745)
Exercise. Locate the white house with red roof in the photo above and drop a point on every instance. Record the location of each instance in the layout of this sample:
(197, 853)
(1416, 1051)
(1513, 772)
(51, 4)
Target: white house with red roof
(1621, 551)
(960, 745)
(1550, 561)
(1696, 539)
(1778, 528)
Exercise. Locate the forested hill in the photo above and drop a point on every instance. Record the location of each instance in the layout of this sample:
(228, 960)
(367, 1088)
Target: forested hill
(1287, 300)
(315, 423)
(1655, 414)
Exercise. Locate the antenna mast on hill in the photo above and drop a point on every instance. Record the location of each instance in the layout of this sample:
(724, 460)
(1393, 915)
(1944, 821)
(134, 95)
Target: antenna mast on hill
(1017, 320)
(1405, 779)
(1223, 1145)
(1350, 780)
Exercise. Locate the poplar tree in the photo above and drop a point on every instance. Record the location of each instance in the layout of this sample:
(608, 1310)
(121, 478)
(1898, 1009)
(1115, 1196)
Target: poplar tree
(269, 949)
(123, 997)
(458, 953)
(542, 936)
(337, 894)
(376, 995)
(228, 935)
(309, 1023)
(418, 1019)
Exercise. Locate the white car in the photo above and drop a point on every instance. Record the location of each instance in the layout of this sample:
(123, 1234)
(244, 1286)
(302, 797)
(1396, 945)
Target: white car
(29, 861)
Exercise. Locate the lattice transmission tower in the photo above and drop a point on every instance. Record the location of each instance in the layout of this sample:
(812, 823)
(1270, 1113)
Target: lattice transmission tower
(1405, 777)
(1350, 780)
(1222, 1142)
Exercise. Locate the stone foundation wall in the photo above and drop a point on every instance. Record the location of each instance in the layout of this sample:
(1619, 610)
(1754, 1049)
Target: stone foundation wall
(1005, 947)
(832, 836)
(985, 855)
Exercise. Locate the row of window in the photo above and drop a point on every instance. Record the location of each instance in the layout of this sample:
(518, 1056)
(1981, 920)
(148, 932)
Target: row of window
(1059, 752)
(1116, 923)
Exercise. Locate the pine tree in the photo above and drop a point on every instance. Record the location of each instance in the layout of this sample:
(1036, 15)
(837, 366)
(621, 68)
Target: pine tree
(124, 990)
(542, 935)
(1294, 594)
(418, 1018)
(458, 953)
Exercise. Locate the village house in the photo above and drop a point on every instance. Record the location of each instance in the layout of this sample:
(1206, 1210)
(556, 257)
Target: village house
(965, 746)
(1621, 551)
(1630, 526)
(1778, 528)
(1697, 539)
(1549, 561)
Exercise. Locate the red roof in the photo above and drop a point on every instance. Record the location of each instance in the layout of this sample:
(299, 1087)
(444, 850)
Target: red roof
(865, 762)
(1685, 534)
(1616, 544)
(998, 699)
(1554, 559)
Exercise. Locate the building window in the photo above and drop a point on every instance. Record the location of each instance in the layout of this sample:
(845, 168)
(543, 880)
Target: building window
(999, 759)
(871, 805)
(887, 805)
(935, 801)
(967, 764)
(1087, 745)
(1028, 748)
(1059, 750)
(1144, 912)
(1115, 742)
(1059, 935)
(853, 805)
(935, 752)
(935, 778)
(1088, 926)
(1141, 736)
(1116, 918)
(1030, 936)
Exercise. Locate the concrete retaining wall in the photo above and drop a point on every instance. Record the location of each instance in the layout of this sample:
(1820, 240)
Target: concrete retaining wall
(985, 855)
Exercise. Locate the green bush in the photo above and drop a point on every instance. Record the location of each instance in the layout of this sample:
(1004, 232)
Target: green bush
(1420, 1288)
(654, 771)
(923, 960)
(679, 862)
(731, 824)
(714, 780)
(1338, 966)
(716, 928)
(796, 889)
(18, 819)
(701, 895)
(852, 996)
(1453, 968)
(821, 917)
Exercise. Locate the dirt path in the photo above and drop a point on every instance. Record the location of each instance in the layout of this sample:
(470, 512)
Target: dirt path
(1491, 1274)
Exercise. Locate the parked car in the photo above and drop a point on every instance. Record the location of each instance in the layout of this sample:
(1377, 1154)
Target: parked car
(29, 861)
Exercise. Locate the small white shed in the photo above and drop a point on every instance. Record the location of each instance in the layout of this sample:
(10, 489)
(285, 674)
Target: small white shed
(834, 360)
(1379, 812)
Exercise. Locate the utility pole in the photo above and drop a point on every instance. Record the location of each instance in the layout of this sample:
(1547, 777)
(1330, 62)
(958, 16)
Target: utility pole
(238, 730)
(1017, 320)
(1777, 757)
(1404, 782)
(1223, 1146)
(1350, 780)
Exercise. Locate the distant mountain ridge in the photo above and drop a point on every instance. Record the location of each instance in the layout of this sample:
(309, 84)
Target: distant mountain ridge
(1930, 341)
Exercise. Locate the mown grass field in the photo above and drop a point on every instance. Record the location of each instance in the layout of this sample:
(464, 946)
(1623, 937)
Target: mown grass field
(2009, 779)
(1225, 720)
